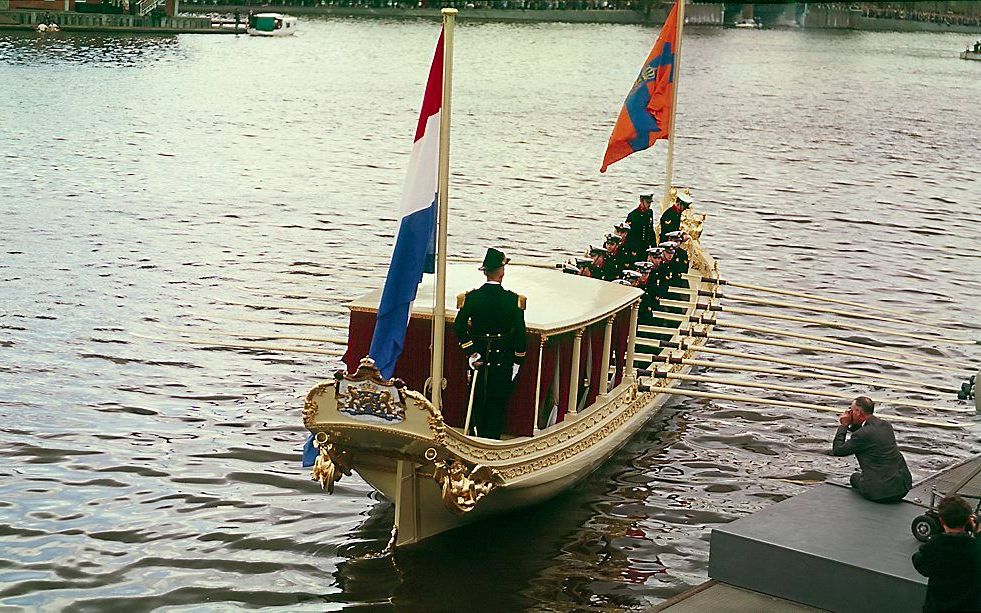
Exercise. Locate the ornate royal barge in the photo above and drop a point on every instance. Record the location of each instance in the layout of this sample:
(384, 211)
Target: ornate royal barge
(583, 353)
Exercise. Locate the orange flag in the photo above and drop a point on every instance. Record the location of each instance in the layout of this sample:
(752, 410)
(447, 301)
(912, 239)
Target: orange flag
(646, 113)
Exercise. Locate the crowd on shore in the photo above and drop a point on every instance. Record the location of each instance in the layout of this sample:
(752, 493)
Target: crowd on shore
(885, 12)
(531, 5)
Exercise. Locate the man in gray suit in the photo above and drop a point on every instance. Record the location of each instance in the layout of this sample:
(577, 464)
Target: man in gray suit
(884, 476)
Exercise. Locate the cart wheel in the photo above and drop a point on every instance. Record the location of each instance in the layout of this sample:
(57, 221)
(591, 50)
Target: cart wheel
(924, 527)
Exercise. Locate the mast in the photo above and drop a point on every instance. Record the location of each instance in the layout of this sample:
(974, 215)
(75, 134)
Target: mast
(439, 309)
(676, 69)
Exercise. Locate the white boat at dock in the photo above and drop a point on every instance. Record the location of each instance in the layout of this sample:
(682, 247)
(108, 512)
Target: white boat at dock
(271, 24)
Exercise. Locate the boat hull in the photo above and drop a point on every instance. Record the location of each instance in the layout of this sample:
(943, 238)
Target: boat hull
(970, 55)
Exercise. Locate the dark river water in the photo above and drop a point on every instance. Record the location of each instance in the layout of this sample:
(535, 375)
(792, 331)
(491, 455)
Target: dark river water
(158, 193)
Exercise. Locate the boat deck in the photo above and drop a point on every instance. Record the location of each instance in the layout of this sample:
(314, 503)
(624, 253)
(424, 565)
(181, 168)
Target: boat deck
(825, 549)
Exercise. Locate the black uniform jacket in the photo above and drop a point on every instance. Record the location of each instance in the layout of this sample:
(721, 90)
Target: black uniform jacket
(641, 233)
(952, 563)
(670, 220)
(492, 311)
(884, 471)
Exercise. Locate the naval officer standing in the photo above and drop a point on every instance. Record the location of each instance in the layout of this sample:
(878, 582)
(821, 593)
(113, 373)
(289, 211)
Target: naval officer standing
(491, 329)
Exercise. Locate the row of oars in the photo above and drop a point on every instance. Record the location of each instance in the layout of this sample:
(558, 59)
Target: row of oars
(254, 340)
(704, 323)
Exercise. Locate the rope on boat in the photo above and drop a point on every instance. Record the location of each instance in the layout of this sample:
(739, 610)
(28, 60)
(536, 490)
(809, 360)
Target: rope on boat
(796, 405)
(798, 390)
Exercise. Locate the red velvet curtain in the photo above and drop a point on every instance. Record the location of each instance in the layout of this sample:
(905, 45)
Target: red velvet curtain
(359, 332)
(597, 377)
(548, 373)
(521, 408)
(565, 368)
(621, 334)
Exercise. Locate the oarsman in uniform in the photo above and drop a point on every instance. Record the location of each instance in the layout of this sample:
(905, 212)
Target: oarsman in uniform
(614, 258)
(679, 264)
(491, 329)
(641, 220)
(646, 282)
(671, 217)
(595, 269)
(622, 229)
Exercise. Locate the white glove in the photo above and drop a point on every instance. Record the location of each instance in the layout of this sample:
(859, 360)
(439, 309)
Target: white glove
(514, 371)
(474, 358)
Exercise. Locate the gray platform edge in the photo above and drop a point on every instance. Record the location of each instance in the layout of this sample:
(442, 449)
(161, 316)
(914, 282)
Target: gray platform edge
(719, 597)
(818, 582)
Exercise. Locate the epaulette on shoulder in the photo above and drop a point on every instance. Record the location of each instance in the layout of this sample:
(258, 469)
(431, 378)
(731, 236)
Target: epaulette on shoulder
(522, 302)
(461, 298)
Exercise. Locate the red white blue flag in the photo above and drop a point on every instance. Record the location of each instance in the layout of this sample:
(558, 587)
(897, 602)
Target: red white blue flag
(646, 113)
(415, 241)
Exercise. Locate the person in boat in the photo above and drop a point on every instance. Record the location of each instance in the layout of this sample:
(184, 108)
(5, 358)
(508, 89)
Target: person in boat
(491, 329)
(614, 258)
(952, 560)
(622, 229)
(883, 474)
(641, 233)
(646, 281)
(595, 268)
(679, 261)
(671, 217)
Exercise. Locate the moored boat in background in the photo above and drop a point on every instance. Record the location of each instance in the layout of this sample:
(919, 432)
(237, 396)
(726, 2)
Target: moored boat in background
(271, 24)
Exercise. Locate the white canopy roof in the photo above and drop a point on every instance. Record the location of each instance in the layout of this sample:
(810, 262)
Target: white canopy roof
(557, 301)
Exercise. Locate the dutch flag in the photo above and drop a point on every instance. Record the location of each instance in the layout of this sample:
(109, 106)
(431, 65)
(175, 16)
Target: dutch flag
(415, 244)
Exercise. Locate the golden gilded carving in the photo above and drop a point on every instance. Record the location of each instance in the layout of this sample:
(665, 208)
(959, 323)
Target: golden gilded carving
(433, 415)
(463, 489)
(367, 393)
(310, 404)
(331, 463)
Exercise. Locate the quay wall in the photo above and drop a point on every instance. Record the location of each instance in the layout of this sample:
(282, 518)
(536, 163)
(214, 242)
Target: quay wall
(817, 17)
(696, 14)
(28, 20)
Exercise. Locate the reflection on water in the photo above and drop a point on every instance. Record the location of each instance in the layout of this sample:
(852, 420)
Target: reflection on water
(33, 49)
(196, 187)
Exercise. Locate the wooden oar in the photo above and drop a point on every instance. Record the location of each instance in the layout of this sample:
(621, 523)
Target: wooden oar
(282, 322)
(759, 341)
(794, 374)
(243, 345)
(821, 367)
(773, 290)
(712, 321)
(797, 405)
(797, 390)
(335, 340)
(287, 307)
(829, 324)
(807, 307)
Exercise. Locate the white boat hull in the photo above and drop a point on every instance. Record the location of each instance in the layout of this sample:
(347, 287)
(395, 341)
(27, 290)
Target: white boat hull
(970, 55)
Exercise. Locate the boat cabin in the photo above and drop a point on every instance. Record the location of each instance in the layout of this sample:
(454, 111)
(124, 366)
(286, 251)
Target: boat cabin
(581, 333)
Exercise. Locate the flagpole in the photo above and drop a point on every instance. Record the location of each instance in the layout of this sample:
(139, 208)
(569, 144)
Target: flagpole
(676, 69)
(439, 310)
